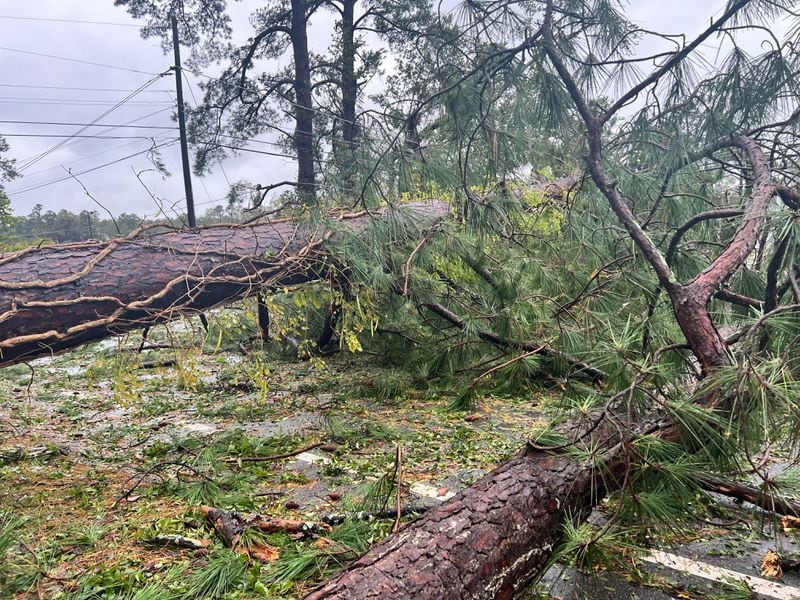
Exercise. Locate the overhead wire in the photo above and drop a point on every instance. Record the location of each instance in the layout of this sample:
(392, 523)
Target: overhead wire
(73, 124)
(126, 99)
(136, 120)
(155, 139)
(76, 60)
(74, 21)
(96, 168)
(60, 102)
(77, 137)
(73, 88)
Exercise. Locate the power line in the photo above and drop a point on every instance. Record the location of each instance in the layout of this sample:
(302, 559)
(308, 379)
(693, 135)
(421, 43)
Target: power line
(85, 124)
(81, 89)
(98, 100)
(78, 21)
(127, 98)
(85, 62)
(98, 167)
(57, 102)
(106, 151)
(136, 120)
(79, 137)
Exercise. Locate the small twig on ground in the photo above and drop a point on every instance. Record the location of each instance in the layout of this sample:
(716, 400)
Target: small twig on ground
(247, 459)
(155, 469)
(181, 541)
(339, 518)
(156, 364)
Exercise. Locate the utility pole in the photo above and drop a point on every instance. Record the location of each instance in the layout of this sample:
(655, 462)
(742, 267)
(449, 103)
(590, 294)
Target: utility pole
(187, 173)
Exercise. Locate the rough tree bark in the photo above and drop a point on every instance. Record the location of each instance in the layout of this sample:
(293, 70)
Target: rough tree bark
(55, 298)
(303, 111)
(485, 542)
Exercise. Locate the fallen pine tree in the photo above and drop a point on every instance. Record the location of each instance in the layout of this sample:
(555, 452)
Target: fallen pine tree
(486, 542)
(53, 298)
(57, 297)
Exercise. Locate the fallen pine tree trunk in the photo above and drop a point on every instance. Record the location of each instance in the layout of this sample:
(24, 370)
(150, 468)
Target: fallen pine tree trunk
(485, 542)
(58, 297)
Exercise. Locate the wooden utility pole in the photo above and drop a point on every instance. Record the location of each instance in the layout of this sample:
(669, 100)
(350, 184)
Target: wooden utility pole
(187, 174)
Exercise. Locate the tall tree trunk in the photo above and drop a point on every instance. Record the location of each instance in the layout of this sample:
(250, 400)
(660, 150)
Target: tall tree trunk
(349, 90)
(304, 109)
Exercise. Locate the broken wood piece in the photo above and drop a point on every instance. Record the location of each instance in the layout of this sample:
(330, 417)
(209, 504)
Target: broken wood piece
(773, 564)
(181, 541)
(247, 459)
(274, 524)
(263, 552)
(158, 364)
(790, 522)
(230, 525)
(19, 453)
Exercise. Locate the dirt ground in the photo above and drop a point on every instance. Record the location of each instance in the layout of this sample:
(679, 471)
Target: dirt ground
(107, 453)
(105, 448)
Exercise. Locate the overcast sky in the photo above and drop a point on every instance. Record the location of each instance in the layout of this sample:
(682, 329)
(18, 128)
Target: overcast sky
(35, 88)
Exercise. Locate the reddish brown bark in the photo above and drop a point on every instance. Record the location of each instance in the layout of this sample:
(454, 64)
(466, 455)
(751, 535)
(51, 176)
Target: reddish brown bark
(486, 542)
(55, 298)
(58, 297)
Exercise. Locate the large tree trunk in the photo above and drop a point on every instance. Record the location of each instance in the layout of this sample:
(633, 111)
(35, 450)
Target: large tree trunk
(304, 109)
(346, 148)
(58, 297)
(486, 542)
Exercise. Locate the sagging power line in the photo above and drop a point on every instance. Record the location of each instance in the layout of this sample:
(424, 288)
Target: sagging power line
(73, 21)
(76, 60)
(59, 123)
(126, 99)
(98, 167)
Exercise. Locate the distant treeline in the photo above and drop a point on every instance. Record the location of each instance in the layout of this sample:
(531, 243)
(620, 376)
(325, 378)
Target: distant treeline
(67, 226)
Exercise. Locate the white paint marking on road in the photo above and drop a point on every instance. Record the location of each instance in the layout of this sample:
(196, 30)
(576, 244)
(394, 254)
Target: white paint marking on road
(312, 458)
(428, 491)
(764, 587)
